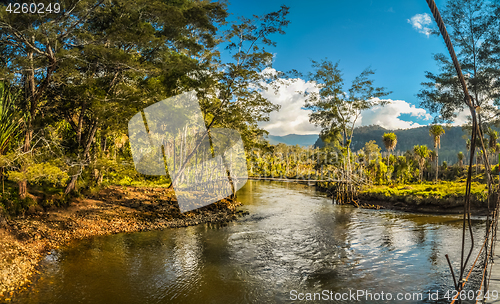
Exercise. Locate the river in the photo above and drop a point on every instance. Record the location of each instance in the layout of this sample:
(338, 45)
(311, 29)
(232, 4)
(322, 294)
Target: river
(293, 242)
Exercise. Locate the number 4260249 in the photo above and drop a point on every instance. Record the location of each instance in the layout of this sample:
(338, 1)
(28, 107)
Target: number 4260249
(33, 8)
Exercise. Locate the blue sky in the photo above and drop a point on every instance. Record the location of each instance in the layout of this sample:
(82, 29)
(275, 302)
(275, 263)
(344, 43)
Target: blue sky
(358, 34)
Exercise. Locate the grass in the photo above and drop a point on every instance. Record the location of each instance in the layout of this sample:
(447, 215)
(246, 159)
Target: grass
(429, 189)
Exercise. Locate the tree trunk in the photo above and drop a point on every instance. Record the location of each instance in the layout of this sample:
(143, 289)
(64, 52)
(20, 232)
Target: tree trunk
(437, 164)
(72, 184)
(23, 189)
(29, 95)
(229, 177)
(80, 124)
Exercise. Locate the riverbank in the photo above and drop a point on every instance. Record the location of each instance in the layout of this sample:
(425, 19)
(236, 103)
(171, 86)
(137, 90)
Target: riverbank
(445, 197)
(115, 209)
(442, 198)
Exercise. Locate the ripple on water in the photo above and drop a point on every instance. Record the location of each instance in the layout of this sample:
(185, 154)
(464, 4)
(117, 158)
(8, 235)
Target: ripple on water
(294, 238)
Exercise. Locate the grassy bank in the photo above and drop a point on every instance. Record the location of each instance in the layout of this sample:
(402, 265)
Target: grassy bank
(443, 197)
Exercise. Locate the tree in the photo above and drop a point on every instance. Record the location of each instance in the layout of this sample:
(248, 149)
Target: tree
(421, 152)
(390, 142)
(335, 109)
(469, 24)
(403, 168)
(96, 63)
(372, 150)
(460, 157)
(492, 142)
(435, 131)
(231, 92)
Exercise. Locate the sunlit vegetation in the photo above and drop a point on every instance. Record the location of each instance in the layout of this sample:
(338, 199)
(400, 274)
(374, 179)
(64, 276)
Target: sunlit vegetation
(430, 189)
(70, 84)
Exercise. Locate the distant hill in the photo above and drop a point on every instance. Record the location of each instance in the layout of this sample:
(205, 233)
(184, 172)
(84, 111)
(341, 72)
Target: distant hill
(452, 141)
(293, 139)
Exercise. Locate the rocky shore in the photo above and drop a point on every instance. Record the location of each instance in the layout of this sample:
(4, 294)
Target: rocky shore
(25, 240)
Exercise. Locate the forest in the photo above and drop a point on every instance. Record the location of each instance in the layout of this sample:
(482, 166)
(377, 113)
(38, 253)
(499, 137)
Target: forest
(70, 81)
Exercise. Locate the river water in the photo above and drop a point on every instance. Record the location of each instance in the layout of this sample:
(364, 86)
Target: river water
(293, 242)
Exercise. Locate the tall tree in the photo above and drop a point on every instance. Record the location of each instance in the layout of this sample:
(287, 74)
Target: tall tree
(421, 152)
(492, 142)
(335, 109)
(460, 157)
(96, 63)
(231, 93)
(469, 23)
(372, 150)
(390, 141)
(436, 131)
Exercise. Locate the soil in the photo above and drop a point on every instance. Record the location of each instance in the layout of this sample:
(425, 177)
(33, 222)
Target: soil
(25, 240)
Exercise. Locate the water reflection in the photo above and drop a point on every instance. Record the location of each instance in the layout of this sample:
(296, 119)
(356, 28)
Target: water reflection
(293, 239)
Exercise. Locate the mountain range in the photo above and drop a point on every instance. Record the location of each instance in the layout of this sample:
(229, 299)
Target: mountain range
(293, 139)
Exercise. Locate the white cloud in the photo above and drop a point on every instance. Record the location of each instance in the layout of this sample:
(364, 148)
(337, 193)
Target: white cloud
(462, 118)
(420, 22)
(388, 116)
(291, 118)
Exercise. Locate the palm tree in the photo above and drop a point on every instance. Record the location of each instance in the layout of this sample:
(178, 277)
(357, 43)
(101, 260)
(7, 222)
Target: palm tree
(390, 142)
(422, 152)
(480, 154)
(492, 143)
(467, 148)
(493, 137)
(460, 156)
(436, 131)
(432, 158)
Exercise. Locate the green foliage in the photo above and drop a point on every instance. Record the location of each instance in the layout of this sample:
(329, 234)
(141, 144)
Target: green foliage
(390, 141)
(421, 153)
(460, 157)
(86, 72)
(382, 173)
(39, 172)
(404, 169)
(451, 144)
(231, 92)
(470, 24)
(9, 124)
(12, 205)
(435, 131)
(335, 110)
(442, 190)
(371, 149)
